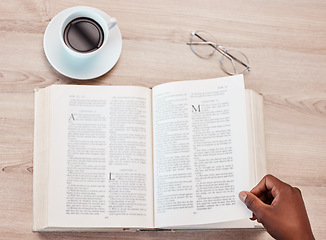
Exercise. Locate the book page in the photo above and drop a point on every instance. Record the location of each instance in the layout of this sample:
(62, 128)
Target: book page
(200, 151)
(256, 138)
(100, 157)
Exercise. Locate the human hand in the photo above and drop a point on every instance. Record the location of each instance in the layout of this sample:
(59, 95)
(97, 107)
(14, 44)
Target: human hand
(279, 207)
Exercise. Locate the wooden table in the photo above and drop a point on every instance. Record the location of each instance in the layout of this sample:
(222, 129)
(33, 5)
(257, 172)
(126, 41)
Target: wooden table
(285, 42)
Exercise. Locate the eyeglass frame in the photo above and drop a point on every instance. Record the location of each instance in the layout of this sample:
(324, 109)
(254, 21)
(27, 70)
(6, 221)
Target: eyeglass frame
(221, 50)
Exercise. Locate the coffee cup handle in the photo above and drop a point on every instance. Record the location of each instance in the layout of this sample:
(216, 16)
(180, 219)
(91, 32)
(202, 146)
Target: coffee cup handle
(112, 22)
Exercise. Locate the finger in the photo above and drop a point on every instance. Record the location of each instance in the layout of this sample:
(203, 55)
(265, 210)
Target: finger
(253, 218)
(253, 203)
(268, 183)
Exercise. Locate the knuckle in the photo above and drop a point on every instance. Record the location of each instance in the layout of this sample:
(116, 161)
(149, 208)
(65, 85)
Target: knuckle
(284, 187)
(268, 175)
(297, 191)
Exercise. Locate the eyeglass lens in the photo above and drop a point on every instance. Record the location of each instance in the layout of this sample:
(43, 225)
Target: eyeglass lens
(231, 66)
(205, 50)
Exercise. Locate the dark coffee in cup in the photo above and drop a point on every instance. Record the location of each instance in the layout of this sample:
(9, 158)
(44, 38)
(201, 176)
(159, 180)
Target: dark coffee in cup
(83, 35)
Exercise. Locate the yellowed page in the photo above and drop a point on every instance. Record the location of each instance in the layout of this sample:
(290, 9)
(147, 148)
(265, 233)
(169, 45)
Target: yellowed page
(200, 151)
(100, 166)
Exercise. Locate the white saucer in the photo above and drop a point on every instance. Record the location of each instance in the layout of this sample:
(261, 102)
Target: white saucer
(75, 67)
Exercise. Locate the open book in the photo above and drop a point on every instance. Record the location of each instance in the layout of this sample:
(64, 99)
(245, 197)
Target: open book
(127, 157)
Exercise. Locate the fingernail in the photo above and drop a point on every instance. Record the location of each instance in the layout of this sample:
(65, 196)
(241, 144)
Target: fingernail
(242, 196)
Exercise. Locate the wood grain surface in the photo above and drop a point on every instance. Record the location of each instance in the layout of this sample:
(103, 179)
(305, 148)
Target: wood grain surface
(285, 42)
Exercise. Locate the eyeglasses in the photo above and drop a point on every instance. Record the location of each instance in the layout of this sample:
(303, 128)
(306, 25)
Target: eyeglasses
(203, 44)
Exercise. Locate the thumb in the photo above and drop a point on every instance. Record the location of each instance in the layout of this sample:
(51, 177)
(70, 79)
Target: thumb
(253, 203)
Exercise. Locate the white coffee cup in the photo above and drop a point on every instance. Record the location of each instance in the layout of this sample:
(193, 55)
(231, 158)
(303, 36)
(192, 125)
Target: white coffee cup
(96, 20)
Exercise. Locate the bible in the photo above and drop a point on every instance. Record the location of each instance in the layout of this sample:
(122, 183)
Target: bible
(132, 158)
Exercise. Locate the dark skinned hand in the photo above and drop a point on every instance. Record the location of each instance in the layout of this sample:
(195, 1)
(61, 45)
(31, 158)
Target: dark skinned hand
(280, 208)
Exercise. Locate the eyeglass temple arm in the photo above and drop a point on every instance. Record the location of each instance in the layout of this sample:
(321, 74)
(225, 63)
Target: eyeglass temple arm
(220, 50)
